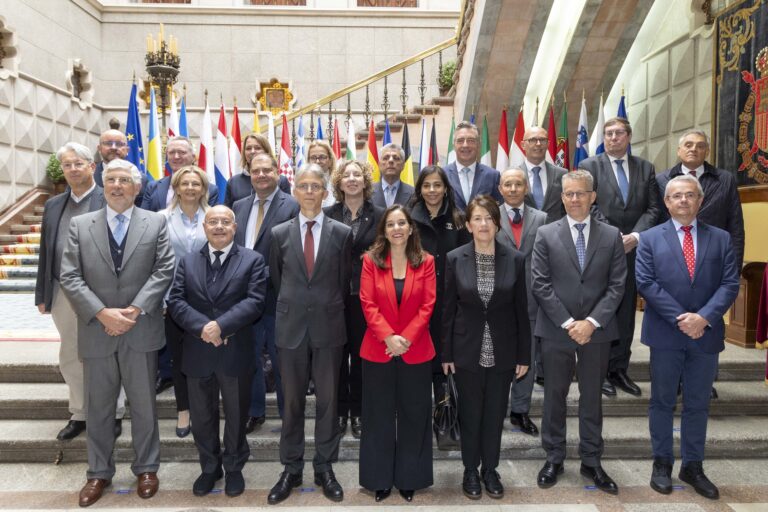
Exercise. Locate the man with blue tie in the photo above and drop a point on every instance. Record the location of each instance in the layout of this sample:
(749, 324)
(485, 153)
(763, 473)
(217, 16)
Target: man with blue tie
(468, 177)
(687, 274)
(544, 178)
(391, 190)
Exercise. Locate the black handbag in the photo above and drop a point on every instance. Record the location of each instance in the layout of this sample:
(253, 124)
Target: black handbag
(446, 417)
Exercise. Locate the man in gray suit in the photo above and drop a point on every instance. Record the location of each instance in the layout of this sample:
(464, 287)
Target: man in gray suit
(310, 267)
(116, 268)
(518, 230)
(544, 178)
(627, 198)
(390, 190)
(578, 270)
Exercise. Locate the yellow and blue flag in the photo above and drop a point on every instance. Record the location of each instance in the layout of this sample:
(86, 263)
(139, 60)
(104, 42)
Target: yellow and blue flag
(154, 155)
(133, 134)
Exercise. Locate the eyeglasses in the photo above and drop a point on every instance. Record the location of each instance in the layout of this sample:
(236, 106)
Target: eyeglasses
(466, 140)
(265, 171)
(113, 144)
(536, 140)
(690, 196)
(305, 187)
(615, 133)
(318, 158)
(74, 165)
(111, 180)
(215, 222)
(576, 195)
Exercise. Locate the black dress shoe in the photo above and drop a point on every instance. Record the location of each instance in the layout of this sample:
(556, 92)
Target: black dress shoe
(661, 477)
(71, 430)
(234, 483)
(713, 394)
(608, 389)
(470, 485)
(162, 384)
(331, 487)
(342, 424)
(283, 487)
(382, 494)
(601, 478)
(621, 380)
(493, 484)
(357, 427)
(548, 474)
(183, 432)
(311, 388)
(523, 421)
(253, 422)
(205, 482)
(118, 427)
(693, 474)
(407, 494)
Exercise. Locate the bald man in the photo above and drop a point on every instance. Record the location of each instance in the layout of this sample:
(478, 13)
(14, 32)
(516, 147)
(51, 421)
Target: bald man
(113, 144)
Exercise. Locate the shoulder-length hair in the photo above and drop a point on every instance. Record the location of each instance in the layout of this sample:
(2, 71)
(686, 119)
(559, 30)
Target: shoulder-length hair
(338, 174)
(262, 141)
(176, 180)
(380, 248)
(455, 213)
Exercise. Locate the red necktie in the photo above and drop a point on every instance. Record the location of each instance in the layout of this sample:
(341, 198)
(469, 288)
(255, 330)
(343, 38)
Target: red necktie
(309, 248)
(692, 173)
(688, 253)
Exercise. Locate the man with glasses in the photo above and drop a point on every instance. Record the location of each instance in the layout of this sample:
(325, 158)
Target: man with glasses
(467, 176)
(113, 144)
(391, 190)
(627, 198)
(544, 177)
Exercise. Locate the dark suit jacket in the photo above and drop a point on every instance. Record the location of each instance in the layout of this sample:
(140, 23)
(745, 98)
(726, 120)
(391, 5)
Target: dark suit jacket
(721, 207)
(100, 182)
(564, 291)
(663, 281)
(403, 197)
(236, 307)
(157, 192)
(311, 304)
(366, 234)
(486, 182)
(49, 230)
(239, 186)
(553, 201)
(641, 211)
(465, 315)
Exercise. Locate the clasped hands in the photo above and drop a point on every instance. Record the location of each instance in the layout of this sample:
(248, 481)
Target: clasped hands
(118, 321)
(396, 345)
(212, 334)
(580, 331)
(692, 324)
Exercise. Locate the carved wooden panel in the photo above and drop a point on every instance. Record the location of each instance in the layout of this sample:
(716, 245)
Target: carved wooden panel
(278, 2)
(387, 3)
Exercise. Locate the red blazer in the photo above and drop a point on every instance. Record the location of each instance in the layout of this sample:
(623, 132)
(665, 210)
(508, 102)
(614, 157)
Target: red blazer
(384, 317)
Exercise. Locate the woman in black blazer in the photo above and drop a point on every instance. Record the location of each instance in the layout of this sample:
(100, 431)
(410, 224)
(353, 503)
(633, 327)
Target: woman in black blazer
(486, 340)
(353, 187)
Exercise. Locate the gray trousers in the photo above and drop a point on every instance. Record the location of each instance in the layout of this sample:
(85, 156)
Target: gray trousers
(520, 395)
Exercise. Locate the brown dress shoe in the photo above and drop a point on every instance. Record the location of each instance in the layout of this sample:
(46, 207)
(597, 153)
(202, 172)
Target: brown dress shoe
(147, 485)
(92, 491)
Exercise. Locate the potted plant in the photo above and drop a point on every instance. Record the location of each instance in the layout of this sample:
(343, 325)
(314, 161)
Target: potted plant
(55, 174)
(445, 78)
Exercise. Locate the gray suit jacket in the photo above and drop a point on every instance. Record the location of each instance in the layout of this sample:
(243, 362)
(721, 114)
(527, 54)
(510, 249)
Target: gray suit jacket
(553, 201)
(403, 197)
(564, 291)
(88, 278)
(177, 233)
(316, 304)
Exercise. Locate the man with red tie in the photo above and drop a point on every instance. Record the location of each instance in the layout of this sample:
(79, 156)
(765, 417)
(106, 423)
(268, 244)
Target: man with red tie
(686, 272)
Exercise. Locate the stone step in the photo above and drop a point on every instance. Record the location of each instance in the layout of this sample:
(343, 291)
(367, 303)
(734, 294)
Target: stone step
(20, 248)
(19, 259)
(17, 272)
(39, 210)
(21, 229)
(31, 238)
(32, 219)
(17, 285)
(625, 438)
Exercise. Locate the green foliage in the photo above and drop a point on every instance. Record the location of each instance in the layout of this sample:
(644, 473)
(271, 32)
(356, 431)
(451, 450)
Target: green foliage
(445, 78)
(53, 170)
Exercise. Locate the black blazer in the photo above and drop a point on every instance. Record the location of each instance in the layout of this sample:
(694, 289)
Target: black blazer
(365, 237)
(54, 207)
(239, 186)
(465, 315)
(236, 307)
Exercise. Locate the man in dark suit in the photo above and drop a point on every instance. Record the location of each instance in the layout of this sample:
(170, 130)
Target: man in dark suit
(519, 225)
(116, 268)
(687, 274)
(310, 265)
(467, 176)
(256, 215)
(544, 178)
(578, 271)
(217, 295)
(627, 198)
(113, 144)
(82, 196)
(391, 190)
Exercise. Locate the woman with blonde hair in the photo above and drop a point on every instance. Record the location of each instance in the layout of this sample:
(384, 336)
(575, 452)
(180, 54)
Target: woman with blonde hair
(319, 152)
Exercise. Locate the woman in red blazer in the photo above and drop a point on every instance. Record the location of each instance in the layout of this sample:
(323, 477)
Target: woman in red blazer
(397, 293)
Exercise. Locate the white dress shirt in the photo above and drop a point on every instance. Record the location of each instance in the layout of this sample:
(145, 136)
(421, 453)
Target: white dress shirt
(112, 222)
(575, 234)
(699, 170)
(77, 199)
(542, 174)
(317, 230)
(250, 227)
(225, 250)
(681, 235)
(624, 164)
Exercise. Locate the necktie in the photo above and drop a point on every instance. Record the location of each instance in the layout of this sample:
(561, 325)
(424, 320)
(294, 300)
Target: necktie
(621, 176)
(309, 248)
(119, 232)
(466, 187)
(259, 221)
(581, 246)
(216, 266)
(688, 252)
(693, 173)
(390, 195)
(538, 188)
(517, 219)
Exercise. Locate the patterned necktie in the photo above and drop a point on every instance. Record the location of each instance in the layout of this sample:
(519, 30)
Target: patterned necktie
(309, 248)
(581, 246)
(538, 188)
(621, 176)
(517, 219)
(119, 232)
(688, 252)
(466, 187)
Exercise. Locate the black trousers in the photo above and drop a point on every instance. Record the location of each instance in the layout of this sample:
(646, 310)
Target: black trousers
(396, 445)
(173, 340)
(435, 332)
(482, 408)
(204, 415)
(621, 349)
(351, 376)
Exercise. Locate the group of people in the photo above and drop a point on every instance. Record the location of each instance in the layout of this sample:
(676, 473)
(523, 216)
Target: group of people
(371, 298)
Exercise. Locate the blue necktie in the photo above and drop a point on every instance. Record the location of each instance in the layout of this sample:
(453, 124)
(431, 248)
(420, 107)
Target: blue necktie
(581, 246)
(119, 232)
(622, 178)
(538, 189)
(390, 195)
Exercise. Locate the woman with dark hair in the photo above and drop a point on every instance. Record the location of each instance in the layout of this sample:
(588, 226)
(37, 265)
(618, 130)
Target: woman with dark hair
(441, 228)
(239, 185)
(486, 340)
(353, 187)
(397, 293)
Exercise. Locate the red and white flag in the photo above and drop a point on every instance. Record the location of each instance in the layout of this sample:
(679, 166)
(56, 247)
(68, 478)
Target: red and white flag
(516, 152)
(205, 157)
(221, 156)
(551, 136)
(286, 155)
(336, 140)
(502, 155)
(235, 144)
